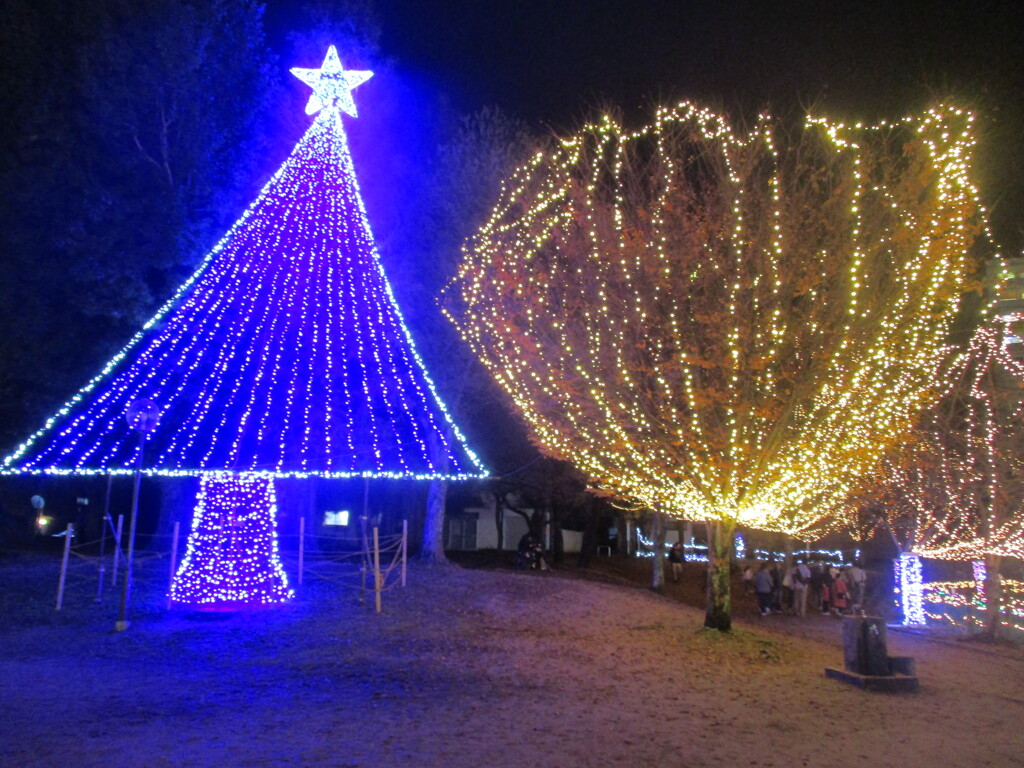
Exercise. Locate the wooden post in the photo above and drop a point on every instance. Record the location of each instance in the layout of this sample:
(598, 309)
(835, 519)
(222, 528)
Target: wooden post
(103, 539)
(68, 535)
(302, 546)
(367, 558)
(122, 622)
(102, 560)
(117, 550)
(174, 560)
(103, 568)
(405, 547)
(376, 568)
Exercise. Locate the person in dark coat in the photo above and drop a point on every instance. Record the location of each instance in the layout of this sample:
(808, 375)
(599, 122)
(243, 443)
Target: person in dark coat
(675, 559)
(527, 551)
(763, 589)
(776, 575)
(826, 591)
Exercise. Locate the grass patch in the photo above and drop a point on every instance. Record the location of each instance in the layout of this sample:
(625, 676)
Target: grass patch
(739, 645)
(655, 627)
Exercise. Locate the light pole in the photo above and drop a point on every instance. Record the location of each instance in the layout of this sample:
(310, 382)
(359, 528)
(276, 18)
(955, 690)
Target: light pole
(142, 416)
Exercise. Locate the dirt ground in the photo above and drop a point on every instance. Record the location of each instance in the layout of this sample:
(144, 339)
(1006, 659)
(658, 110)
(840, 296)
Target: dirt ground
(472, 667)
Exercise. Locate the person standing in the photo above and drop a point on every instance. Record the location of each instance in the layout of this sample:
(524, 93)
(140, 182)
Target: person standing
(675, 559)
(763, 589)
(840, 594)
(826, 591)
(787, 590)
(801, 577)
(776, 575)
(858, 580)
(814, 588)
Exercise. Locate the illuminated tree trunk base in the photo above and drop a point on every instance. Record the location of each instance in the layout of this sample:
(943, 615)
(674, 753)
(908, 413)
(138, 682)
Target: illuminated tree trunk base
(719, 596)
(909, 585)
(993, 597)
(433, 527)
(658, 561)
(231, 559)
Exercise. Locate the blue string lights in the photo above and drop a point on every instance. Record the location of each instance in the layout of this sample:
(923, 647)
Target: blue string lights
(283, 355)
(232, 558)
(909, 588)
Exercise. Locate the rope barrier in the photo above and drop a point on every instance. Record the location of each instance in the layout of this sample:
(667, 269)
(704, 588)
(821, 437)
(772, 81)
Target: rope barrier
(382, 558)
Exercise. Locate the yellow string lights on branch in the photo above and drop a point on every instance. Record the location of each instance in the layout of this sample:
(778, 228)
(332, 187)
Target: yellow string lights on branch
(958, 497)
(724, 327)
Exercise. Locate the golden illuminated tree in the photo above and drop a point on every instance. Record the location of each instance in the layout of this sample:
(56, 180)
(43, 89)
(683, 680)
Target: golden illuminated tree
(722, 327)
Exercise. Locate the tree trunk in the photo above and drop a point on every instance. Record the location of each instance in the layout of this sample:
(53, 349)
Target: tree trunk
(719, 595)
(535, 522)
(433, 525)
(296, 498)
(993, 596)
(588, 547)
(499, 519)
(437, 494)
(177, 504)
(658, 561)
(557, 543)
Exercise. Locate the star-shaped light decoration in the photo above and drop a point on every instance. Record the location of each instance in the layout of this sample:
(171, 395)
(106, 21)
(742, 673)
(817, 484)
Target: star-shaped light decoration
(332, 85)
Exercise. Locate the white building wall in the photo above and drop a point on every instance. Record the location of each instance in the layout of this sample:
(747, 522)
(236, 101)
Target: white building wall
(515, 526)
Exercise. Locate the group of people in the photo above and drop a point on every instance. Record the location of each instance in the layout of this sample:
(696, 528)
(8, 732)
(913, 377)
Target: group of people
(819, 586)
(530, 553)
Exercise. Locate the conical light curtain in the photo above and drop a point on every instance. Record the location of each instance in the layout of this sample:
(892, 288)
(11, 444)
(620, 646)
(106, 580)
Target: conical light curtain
(284, 354)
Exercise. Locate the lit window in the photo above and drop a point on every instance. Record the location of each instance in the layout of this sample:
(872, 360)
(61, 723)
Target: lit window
(336, 518)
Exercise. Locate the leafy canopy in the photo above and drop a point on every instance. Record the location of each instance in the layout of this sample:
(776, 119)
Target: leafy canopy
(722, 326)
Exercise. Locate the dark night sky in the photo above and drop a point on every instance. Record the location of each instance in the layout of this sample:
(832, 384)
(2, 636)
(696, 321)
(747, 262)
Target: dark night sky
(556, 62)
(549, 60)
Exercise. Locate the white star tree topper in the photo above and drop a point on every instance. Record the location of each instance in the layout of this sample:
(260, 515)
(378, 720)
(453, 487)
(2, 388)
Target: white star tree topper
(332, 84)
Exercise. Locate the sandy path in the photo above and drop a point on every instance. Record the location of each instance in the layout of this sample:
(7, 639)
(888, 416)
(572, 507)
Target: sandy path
(482, 668)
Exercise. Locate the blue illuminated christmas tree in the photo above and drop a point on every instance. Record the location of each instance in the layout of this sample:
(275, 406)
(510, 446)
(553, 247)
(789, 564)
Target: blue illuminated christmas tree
(284, 355)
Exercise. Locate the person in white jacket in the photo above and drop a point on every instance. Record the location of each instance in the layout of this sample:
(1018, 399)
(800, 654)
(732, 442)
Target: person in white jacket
(800, 576)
